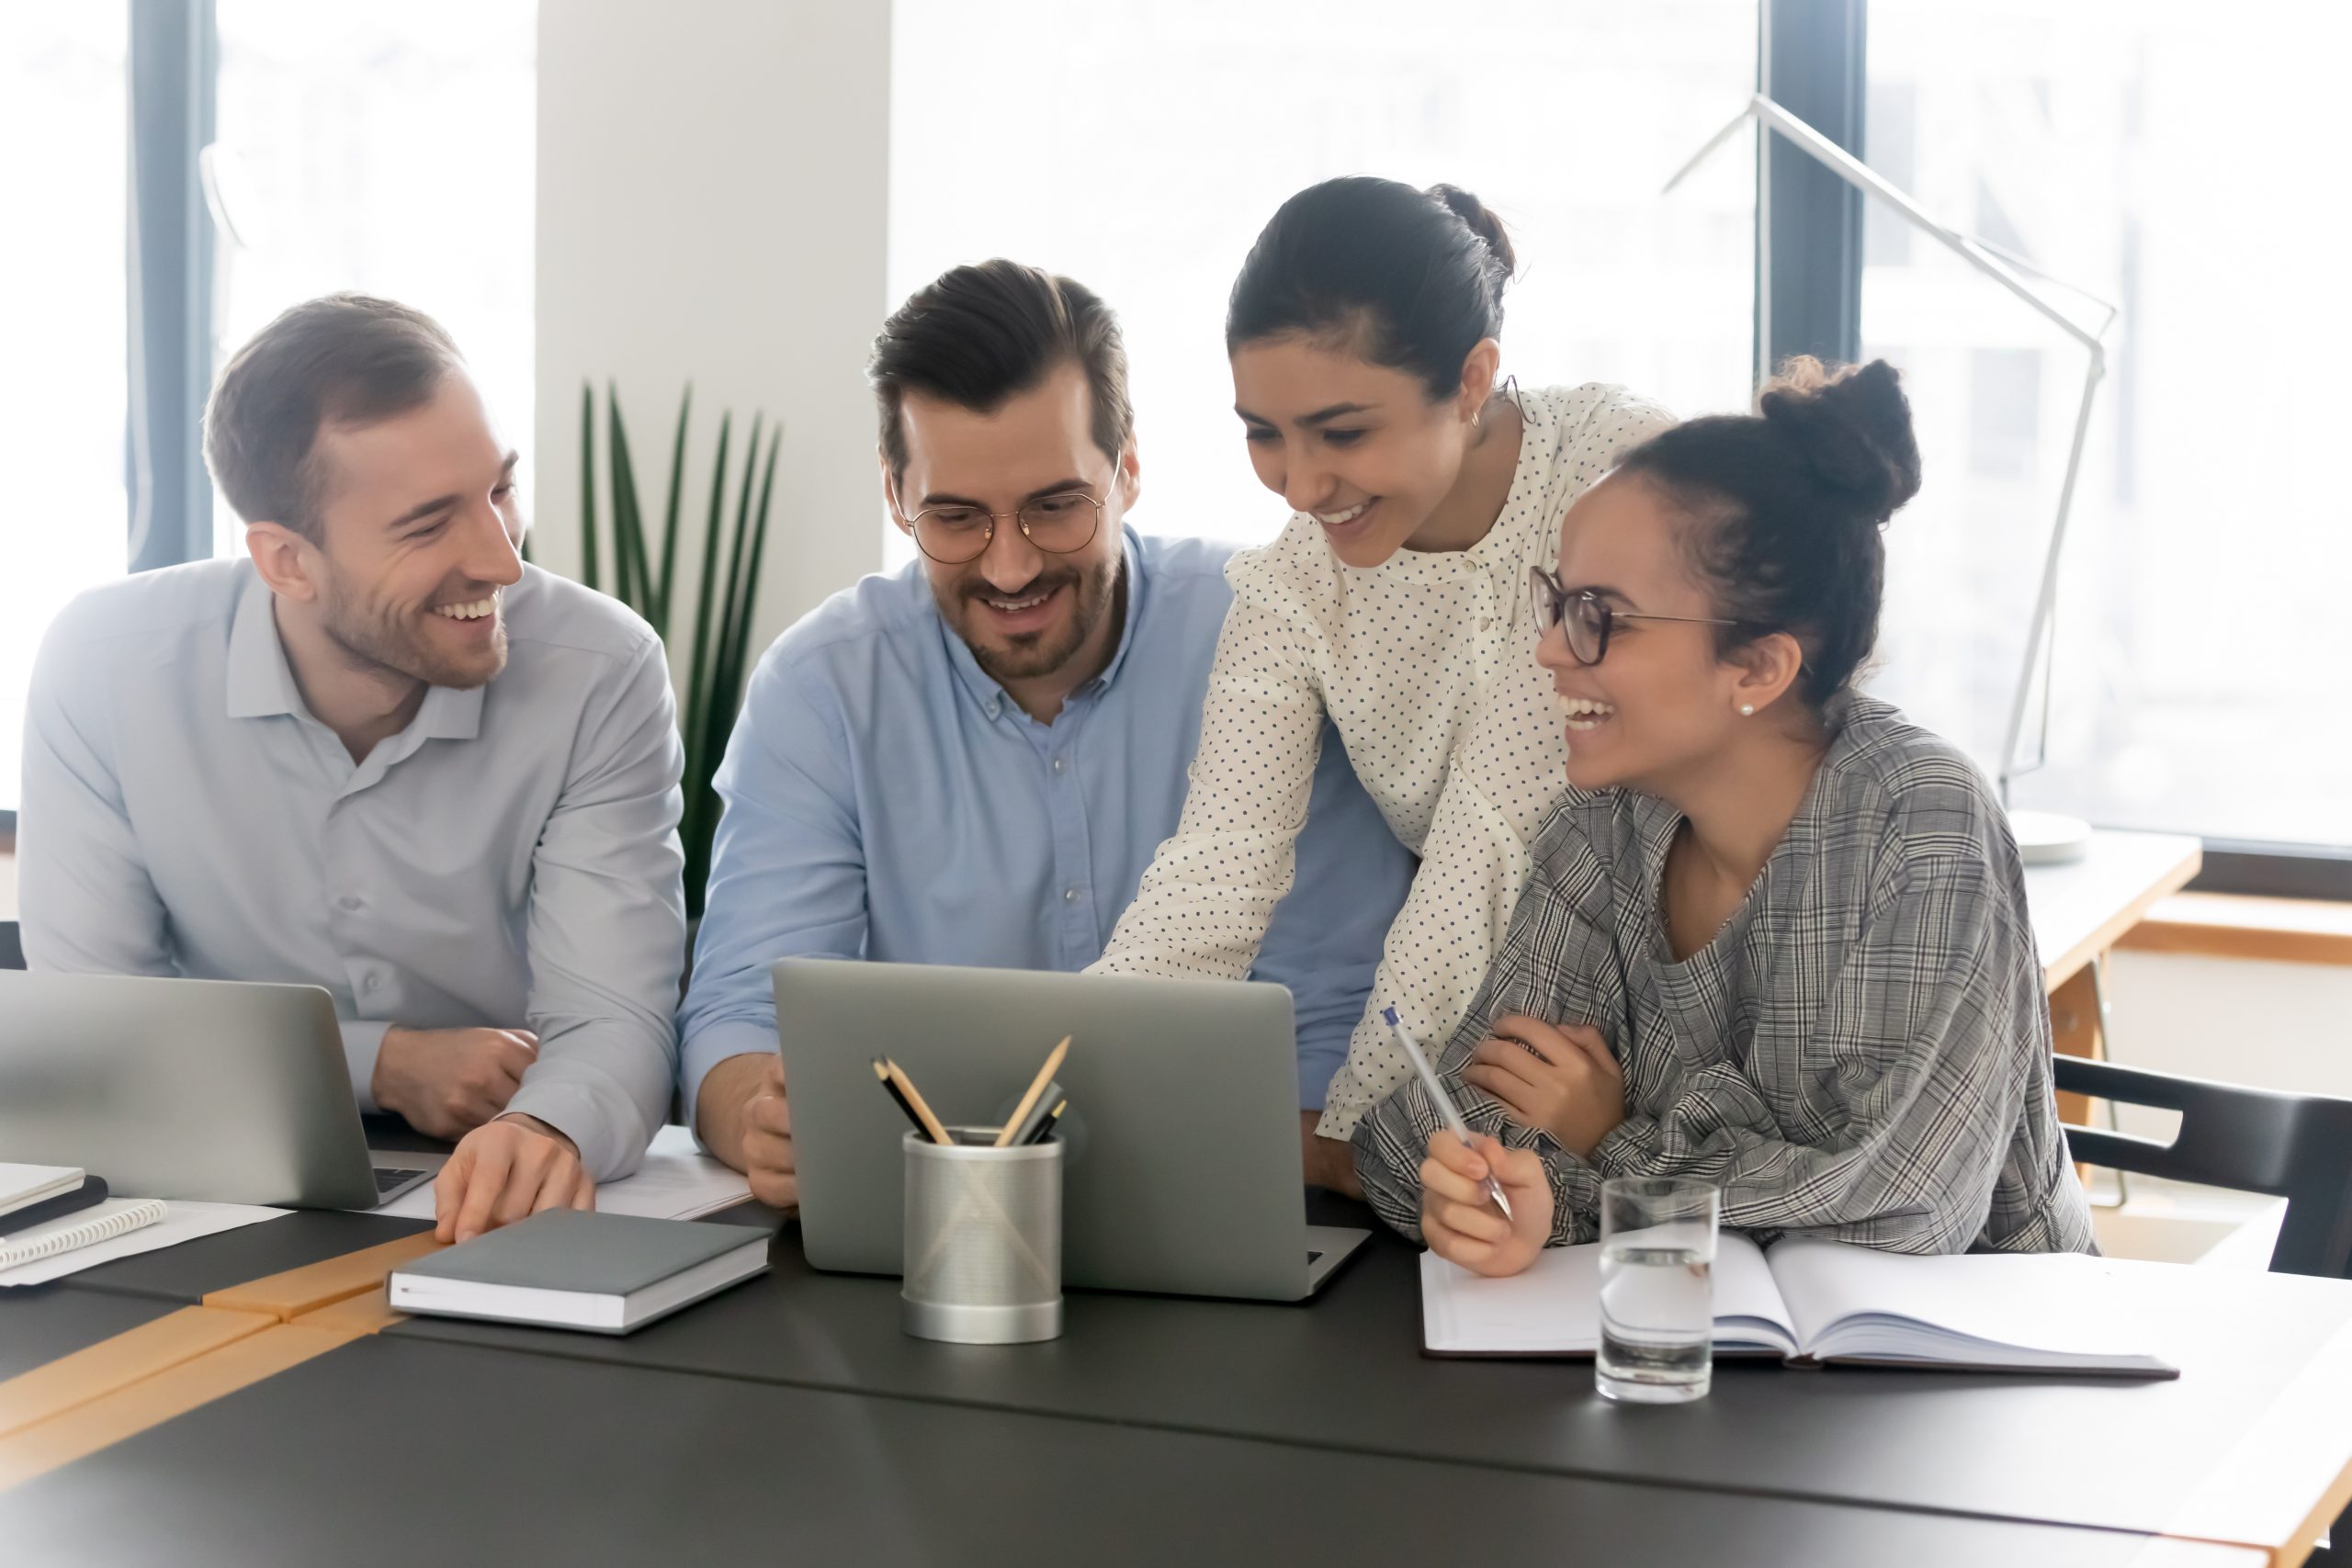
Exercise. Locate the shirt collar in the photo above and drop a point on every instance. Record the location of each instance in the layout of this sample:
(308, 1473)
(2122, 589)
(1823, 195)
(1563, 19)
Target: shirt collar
(984, 689)
(261, 683)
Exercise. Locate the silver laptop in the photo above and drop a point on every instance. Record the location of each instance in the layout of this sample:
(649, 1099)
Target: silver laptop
(216, 1090)
(1181, 1156)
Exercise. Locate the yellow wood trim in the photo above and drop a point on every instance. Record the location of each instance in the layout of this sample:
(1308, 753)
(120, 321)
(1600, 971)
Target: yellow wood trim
(297, 1291)
(366, 1312)
(2068, 964)
(2230, 925)
(127, 1412)
(118, 1361)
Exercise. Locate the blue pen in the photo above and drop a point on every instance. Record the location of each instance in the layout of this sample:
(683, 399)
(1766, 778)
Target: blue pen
(1460, 1128)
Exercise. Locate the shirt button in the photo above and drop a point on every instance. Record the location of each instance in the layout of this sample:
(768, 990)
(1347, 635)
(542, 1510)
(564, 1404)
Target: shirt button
(1057, 765)
(371, 982)
(1069, 895)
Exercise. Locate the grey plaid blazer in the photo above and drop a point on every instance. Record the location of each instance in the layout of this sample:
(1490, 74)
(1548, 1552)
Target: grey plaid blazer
(1862, 1052)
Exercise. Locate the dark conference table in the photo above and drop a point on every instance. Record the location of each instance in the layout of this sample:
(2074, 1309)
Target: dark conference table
(790, 1417)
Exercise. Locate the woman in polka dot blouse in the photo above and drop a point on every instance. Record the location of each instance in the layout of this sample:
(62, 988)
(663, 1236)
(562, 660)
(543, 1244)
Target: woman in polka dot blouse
(1363, 333)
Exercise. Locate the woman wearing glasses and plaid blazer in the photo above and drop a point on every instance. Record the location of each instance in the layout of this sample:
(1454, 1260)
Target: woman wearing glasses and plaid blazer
(1776, 937)
(1362, 334)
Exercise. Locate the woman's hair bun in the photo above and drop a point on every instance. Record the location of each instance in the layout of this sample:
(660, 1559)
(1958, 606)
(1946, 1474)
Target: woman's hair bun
(1852, 425)
(1483, 223)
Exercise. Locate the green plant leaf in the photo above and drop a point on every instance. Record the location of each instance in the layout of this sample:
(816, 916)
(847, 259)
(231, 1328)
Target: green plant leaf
(701, 759)
(589, 567)
(670, 529)
(628, 522)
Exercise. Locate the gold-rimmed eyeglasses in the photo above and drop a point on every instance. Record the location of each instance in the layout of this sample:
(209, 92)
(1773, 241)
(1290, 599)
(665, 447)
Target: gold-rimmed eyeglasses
(1061, 523)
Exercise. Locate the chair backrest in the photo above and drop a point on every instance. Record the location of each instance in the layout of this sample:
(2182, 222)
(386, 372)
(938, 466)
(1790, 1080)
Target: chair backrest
(2296, 1147)
(12, 949)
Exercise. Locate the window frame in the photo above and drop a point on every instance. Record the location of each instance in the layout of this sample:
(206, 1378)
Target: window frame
(1814, 57)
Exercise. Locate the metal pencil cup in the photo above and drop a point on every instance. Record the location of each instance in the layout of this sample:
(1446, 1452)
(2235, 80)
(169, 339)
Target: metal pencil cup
(983, 1238)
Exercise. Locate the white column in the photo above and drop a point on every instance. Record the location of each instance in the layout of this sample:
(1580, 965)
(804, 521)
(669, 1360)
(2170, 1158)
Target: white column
(712, 205)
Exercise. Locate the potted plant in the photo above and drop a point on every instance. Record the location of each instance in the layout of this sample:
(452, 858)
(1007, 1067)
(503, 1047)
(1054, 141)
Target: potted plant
(645, 575)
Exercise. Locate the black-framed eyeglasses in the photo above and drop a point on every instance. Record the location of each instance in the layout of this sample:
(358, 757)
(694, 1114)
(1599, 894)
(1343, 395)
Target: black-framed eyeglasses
(1586, 618)
(1060, 523)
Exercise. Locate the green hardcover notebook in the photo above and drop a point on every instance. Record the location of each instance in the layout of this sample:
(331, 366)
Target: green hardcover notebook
(566, 1269)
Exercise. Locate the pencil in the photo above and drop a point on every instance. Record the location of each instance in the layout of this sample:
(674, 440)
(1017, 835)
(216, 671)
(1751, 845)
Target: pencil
(911, 1097)
(882, 1076)
(1037, 1087)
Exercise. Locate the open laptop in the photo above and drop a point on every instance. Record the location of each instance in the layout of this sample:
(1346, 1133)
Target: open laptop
(1180, 1154)
(215, 1091)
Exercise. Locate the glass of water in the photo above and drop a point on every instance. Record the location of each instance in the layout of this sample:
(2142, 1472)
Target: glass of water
(1658, 1296)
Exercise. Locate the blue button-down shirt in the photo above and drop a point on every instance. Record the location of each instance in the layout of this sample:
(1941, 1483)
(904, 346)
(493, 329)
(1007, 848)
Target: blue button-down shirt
(886, 799)
(509, 860)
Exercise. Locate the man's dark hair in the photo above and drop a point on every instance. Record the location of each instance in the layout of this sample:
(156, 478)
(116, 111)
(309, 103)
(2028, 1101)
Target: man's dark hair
(978, 336)
(342, 360)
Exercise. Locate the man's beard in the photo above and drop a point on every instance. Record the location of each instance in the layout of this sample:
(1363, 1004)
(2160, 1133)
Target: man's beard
(1037, 655)
(380, 635)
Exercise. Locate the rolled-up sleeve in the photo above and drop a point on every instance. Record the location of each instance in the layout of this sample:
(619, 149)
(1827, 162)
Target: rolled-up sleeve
(607, 928)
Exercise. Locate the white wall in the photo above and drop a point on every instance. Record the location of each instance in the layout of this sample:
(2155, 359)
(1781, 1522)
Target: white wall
(713, 203)
(2285, 1026)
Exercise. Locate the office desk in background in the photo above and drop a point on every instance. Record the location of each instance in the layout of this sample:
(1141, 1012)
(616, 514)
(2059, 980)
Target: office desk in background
(2080, 911)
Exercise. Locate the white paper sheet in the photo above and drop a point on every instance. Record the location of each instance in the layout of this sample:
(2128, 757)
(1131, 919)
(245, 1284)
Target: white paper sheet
(677, 1181)
(1554, 1308)
(182, 1221)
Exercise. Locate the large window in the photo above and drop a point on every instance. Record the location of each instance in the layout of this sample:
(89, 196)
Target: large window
(1140, 148)
(63, 117)
(2183, 160)
(381, 146)
(388, 147)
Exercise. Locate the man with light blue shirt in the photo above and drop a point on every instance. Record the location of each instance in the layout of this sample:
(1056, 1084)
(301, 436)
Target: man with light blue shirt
(972, 760)
(382, 756)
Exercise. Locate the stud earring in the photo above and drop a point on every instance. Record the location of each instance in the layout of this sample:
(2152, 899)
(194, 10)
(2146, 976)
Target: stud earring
(1747, 710)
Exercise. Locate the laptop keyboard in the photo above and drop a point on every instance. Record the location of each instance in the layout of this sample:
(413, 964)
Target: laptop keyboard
(387, 1179)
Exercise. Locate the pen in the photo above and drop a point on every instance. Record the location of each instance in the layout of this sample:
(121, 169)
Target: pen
(1025, 1130)
(903, 1089)
(1036, 1087)
(1045, 1128)
(1460, 1128)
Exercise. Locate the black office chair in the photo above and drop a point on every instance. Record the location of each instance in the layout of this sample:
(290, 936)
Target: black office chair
(2296, 1147)
(12, 949)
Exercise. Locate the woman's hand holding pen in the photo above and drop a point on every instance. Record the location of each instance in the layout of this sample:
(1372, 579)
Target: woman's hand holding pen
(1462, 1225)
(1560, 1077)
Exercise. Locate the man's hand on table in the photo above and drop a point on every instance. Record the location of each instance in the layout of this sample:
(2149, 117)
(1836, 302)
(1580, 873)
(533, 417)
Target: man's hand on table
(447, 1082)
(506, 1170)
(743, 1118)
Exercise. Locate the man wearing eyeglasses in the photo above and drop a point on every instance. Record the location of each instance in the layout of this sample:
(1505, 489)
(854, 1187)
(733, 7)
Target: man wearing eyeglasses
(971, 761)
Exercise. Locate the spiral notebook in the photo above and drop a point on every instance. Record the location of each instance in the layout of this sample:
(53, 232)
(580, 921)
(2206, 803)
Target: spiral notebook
(118, 1216)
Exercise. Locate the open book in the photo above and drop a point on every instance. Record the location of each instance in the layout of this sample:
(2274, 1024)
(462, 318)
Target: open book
(1808, 1301)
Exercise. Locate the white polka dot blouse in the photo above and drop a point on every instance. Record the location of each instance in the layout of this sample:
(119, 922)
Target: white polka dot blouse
(1425, 665)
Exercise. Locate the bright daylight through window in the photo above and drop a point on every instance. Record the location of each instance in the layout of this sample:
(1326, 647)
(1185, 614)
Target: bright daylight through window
(2177, 160)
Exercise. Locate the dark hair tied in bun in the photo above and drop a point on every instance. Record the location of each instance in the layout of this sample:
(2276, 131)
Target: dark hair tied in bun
(1787, 506)
(1853, 425)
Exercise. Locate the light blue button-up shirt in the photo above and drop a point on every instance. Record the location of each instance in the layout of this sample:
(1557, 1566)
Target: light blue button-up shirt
(886, 799)
(510, 860)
